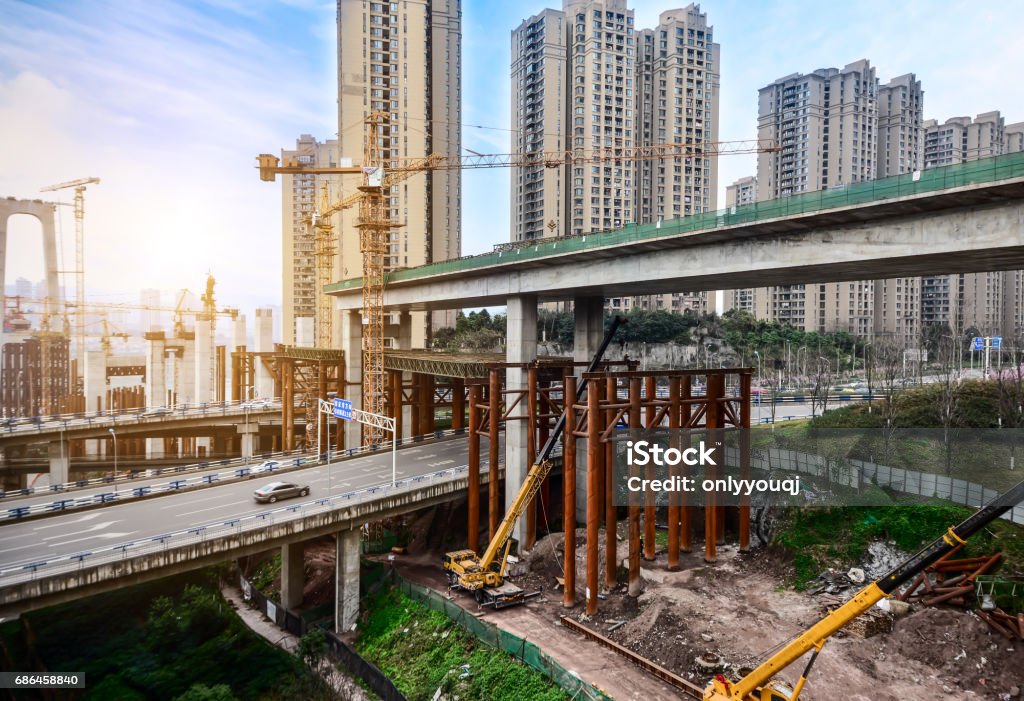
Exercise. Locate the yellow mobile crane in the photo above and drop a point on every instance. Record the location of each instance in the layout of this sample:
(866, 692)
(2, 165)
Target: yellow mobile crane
(485, 576)
(759, 685)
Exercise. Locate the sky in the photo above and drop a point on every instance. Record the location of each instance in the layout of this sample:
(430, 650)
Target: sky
(168, 102)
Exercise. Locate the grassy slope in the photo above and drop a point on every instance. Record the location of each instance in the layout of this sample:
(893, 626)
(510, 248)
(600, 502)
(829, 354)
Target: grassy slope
(418, 649)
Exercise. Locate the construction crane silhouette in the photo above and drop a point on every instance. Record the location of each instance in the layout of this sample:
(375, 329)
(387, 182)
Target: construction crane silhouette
(79, 186)
(374, 221)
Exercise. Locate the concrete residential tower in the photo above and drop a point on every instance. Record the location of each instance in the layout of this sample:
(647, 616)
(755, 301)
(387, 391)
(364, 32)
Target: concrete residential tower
(838, 127)
(584, 77)
(299, 196)
(403, 59)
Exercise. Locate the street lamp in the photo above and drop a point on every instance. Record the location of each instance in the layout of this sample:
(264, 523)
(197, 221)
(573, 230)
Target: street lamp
(113, 439)
(759, 388)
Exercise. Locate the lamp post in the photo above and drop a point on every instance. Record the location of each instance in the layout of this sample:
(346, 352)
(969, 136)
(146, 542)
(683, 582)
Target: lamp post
(759, 388)
(113, 439)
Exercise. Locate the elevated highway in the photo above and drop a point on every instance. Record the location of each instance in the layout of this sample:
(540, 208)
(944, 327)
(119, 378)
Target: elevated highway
(963, 218)
(78, 554)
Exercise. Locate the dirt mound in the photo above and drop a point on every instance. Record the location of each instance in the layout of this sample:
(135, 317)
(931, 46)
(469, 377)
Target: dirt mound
(964, 648)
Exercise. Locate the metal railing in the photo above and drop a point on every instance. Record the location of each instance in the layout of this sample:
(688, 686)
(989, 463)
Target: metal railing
(301, 460)
(28, 570)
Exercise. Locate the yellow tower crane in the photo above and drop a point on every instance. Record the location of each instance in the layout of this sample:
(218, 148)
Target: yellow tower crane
(374, 222)
(79, 186)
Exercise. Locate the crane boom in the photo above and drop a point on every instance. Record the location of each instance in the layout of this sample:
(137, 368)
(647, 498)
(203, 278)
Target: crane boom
(756, 686)
(486, 575)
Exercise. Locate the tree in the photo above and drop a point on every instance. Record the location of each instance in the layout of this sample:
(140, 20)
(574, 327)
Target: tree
(202, 692)
(947, 388)
(1010, 384)
(886, 363)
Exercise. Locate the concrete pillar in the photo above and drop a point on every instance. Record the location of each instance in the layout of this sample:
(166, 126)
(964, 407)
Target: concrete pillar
(237, 341)
(60, 462)
(204, 362)
(521, 347)
(248, 432)
(94, 373)
(346, 600)
(293, 574)
(405, 343)
(352, 344)
(263, 342)
(588, 332)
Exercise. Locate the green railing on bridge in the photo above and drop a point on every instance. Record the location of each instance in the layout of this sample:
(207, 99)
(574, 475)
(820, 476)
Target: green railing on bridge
(932, 180)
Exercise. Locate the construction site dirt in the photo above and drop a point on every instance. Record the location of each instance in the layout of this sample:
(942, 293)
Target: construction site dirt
(722, 617)
(729, 616)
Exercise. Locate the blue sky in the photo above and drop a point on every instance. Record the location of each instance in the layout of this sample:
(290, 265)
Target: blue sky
(169, 102)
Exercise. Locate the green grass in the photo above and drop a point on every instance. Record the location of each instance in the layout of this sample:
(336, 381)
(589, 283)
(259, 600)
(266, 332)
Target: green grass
(421, 650)
(157, 640)
(839, 536)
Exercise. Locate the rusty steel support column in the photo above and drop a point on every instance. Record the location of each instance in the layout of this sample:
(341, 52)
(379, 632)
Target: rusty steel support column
(593, 492)
(494, 422)
(712, 422)
(543, 430)
(287, 404)
(676, 471)
(417, 389)
(685, 416)
(745, 459)
(635, 422)
(458, 386)
(428, 423)
(650, 531)
(530, 533)
(611, 525)
(321, 392)
(342, 389)
(569, 492)
(473, 496)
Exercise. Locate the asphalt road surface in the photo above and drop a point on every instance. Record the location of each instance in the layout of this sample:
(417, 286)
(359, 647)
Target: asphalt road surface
(82, 531)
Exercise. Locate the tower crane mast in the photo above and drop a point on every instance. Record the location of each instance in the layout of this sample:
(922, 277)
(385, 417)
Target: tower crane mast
(79, 186)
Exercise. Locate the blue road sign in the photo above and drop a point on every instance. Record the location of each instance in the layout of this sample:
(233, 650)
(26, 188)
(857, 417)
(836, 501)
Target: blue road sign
(997, 341)
(342, 409)
(979, 343)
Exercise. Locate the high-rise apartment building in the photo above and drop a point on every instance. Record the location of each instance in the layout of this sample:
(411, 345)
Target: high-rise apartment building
(990, 302)
(741, 192)
(584, 77)
(403, 60)
(837, 127)
(299, 197)
(539, 106)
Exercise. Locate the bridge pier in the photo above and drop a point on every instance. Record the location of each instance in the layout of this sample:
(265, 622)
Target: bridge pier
(249, 433)
(346, 599)
(60, 462)
(293, 574)
(588, 332)
(521, 347)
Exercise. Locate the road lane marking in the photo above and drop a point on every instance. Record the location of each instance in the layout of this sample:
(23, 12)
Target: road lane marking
(91, 529)
(90, 537)
(211, 508)
(192, 501)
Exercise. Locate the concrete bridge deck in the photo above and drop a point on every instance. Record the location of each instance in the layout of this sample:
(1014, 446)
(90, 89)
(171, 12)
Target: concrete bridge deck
(961, 218)
(59, 559)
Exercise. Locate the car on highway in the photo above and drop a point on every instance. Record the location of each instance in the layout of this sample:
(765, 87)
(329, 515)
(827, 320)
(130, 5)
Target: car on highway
(156, 411)
(270, 465)
(270, 493)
